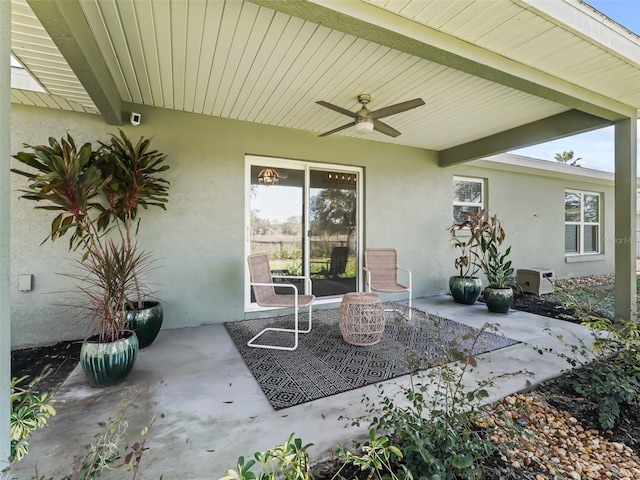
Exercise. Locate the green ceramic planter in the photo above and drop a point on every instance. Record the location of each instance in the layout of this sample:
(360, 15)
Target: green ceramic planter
(498, 300)
(146, 322)
(107, 364)
(465, 290)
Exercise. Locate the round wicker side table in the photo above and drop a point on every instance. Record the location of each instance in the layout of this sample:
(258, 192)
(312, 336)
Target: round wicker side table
(361, 319)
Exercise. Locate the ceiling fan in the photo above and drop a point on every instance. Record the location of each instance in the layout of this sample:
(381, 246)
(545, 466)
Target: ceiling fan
(366, 120)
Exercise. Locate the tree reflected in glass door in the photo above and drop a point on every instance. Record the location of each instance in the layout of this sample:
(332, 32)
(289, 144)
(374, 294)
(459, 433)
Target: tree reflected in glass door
(333, 238)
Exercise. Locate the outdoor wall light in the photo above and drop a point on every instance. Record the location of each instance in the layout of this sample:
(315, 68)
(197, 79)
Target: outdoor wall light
(268, 176)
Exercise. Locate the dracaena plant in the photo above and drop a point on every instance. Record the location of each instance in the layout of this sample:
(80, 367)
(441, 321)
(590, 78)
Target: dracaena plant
(134, 181)
(66, 181)
(97, 194)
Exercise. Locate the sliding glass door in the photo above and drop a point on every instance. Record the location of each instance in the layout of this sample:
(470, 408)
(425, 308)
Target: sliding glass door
(305, 217)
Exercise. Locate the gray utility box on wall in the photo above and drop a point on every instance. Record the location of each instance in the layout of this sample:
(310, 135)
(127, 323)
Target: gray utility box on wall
(536, 280)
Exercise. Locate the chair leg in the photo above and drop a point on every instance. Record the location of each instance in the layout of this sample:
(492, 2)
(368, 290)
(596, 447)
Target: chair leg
(295, 330)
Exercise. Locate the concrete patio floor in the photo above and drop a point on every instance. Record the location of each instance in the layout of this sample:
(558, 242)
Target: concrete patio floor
(210, 410)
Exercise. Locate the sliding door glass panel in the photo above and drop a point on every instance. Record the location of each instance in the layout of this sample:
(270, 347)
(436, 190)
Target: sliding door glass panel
(277, 219)
(333, 233)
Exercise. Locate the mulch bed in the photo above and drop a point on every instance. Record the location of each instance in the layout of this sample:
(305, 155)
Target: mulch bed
(30, 362)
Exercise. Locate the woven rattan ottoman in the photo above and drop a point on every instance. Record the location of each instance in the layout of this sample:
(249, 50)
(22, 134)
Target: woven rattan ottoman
(361, 318)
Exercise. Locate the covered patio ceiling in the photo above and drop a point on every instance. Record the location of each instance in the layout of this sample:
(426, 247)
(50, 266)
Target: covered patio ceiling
(495, 75)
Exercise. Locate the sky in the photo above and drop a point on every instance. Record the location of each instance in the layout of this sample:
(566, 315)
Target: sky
(596, 147)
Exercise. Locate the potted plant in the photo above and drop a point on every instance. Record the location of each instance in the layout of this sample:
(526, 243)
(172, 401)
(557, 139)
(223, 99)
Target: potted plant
(466, 287)
(134, 182)
(80, 183)
(493, 260)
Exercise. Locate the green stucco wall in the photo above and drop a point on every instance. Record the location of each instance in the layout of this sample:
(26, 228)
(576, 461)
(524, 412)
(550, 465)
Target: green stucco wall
(199, 241)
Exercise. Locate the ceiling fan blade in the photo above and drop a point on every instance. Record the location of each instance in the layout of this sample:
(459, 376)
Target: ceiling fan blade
(338, 109)
(378, 126)
(336, 130)
(397, 108)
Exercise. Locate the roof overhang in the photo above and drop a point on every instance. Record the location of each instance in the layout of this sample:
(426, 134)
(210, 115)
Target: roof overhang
(494, 76)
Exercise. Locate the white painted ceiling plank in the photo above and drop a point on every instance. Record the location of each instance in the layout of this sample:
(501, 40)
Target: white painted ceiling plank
(281, 53)
(18, 96)
(248, 59)
(210, 34)
(120, 44)
(285, 72)
(149, 51)
(196, 49)
(306, 75)
(163, 35)
(475, 31)
(474, 13)
(94, 17)
(35, 98)
(333, 63)
(239, 48)
(261, 69)
(347, 83)
(128, 21)
(179, 52)
(230, 16)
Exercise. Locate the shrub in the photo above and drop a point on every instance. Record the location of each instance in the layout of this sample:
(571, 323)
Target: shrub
(29, 411)
(435, 424)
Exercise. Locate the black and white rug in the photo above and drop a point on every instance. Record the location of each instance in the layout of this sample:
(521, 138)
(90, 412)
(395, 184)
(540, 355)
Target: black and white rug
(324, 365)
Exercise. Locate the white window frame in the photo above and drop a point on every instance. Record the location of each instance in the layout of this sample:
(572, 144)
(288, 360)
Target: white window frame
(480, 204)
(581, 224)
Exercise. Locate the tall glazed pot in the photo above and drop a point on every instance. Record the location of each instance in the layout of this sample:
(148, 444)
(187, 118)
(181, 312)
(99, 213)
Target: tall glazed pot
(498, 300)
(465, 290)
(108, 363)
(146, 322)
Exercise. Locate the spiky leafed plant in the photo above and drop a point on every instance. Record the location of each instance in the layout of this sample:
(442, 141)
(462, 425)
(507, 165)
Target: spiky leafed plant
(69, 179)
(134, 181)
(109, 281)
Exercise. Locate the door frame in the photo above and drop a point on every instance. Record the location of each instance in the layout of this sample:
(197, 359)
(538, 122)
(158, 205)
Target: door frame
(305, 166)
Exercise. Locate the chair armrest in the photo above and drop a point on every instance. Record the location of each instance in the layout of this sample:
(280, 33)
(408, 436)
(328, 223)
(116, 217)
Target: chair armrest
(307, 280)
(279, 285)
(409, 273)
(368, 278)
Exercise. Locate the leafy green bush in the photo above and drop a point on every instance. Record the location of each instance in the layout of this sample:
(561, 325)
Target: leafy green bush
(29, 411)
(614, 378)
(289, 461)
(435, 422)
(108, 449)
(607, 385)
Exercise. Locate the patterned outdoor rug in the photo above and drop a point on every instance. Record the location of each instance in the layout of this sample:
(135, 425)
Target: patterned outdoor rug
(324, 365)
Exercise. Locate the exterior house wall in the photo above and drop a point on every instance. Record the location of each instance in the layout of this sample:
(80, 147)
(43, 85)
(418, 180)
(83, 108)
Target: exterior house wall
(530, 204)
(199, 241)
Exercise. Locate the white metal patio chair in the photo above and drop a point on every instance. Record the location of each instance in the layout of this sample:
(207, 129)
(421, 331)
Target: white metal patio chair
(265, 295)
(381, 269)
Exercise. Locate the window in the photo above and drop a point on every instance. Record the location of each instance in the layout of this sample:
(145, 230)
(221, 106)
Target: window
(468, 196)
(581, 222)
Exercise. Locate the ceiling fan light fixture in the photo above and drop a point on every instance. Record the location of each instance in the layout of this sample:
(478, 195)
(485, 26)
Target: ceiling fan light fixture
(364, 126)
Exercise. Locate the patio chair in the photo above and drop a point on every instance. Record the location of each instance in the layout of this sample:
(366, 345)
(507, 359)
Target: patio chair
(381, 269)
(337, 264)
(265, 295)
